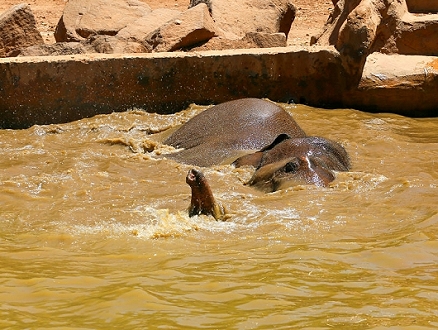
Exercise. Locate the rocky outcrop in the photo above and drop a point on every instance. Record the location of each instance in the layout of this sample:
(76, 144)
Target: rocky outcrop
(18, 30)
(375, 39)
(83, 18)
(352, 29)
(189, 28)
(414, 35)
(238, 17)
(130, 26)
(358, 28)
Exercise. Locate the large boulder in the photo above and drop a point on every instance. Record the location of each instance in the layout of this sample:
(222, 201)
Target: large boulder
(351, 27)
(411, 34)
(18, 30)
(84, 18)
(139, 29)
(191, 27)
(238, 17)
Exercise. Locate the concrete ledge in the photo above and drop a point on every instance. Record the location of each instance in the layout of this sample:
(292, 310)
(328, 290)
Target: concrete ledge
(44, 90)
(398, 71)
(422, 6)
(40, 90)
(406, 84)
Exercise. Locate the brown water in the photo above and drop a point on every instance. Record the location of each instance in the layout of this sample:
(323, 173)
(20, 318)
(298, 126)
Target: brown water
(94, 232)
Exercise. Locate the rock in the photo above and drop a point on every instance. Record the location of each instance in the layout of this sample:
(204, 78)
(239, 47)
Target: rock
(221, 43)
(266, 40)
(238, 17)
(351, 28)
(140, 28)
(84, 18)
(114, 45)
(414, 35)
(358, 28)
(250, 40)
(95, 44)
(60, 48)
(191, 27)
(18, 30)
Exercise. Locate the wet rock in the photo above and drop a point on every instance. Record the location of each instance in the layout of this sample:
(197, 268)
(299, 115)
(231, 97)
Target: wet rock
(18, 30)
(60, 48)
(84, 18)
(191, 27)
(142, 27)
(238, 17)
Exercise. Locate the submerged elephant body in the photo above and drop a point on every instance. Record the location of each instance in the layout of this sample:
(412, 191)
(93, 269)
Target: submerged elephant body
(261, 134)
(222, 133)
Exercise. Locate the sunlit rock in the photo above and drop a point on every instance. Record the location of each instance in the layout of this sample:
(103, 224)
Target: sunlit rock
(266, 40)
(114, 45)
(84, 18)
(142, 27)
(191, 27)
(250, 40)
(358, 28)
(60, 48)
(18, 30)
(238, 17)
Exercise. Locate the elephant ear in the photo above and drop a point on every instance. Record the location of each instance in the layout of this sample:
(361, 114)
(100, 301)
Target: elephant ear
(255, 158)
(280, 138)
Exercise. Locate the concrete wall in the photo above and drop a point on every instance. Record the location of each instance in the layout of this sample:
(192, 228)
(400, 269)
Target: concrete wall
(43, 90)
(422, 6)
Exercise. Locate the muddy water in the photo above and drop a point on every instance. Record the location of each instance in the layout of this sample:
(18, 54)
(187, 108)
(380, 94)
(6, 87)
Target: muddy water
(94, 233)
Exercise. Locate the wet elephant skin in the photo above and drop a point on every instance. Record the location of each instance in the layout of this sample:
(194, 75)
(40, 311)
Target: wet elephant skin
(258, 133)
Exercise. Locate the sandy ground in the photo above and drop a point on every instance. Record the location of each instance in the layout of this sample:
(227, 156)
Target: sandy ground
(311, 15)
